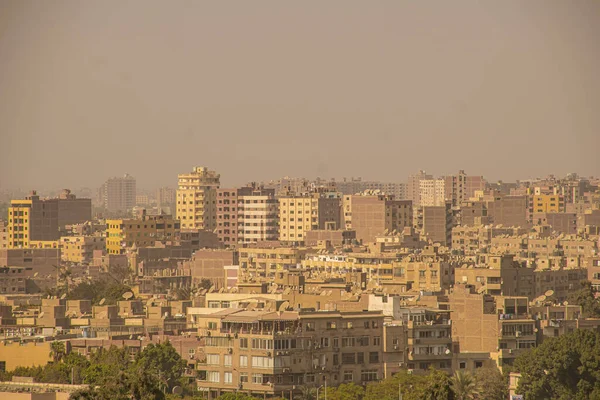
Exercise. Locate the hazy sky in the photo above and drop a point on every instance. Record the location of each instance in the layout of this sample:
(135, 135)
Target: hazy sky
(262, 89)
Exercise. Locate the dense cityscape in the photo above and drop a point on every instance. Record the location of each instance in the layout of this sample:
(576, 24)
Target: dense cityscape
(435, 287)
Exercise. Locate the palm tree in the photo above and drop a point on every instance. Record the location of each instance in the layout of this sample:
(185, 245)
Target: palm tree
(307, 393)
(463, 386)
(57, 351)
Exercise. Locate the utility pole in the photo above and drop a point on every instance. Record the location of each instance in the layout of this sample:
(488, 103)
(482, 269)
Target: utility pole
(399, 391)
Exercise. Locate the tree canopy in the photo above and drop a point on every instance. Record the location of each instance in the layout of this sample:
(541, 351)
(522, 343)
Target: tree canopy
(586, 298)
(562, 368)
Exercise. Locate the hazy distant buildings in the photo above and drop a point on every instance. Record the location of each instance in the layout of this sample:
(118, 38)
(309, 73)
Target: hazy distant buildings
(118, 194)
(461, 187)
(414, 186)
(197, 199)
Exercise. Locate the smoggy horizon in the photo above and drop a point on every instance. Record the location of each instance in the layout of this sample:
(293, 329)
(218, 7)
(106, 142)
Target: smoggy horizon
(257, 91)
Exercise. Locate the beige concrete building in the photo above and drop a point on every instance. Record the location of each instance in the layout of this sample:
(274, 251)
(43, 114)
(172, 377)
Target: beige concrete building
(258, 214)
(438, 223)
(267, 354)
(80, 249)
(414, 186)
(461, 187)
(301, 214)
(144, 232)
(371, 216)
(261, 263)
(432, 192)
(197, 199)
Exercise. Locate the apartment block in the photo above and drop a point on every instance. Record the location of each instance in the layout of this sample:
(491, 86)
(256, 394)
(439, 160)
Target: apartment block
(258, 214)
(546, 203)
(118, 194)
(432, 192)
(414, 186)
(371, 216)
(301, 214)
(266, 353)
(461, 187)
(197, 199)
(144, 232)
(32, 219)
(261, 263)
(560, 222)
(80, 249)
(438, 223)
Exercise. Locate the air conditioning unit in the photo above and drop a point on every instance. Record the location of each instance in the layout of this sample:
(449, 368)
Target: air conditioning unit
(268, 354)
(401, 364)
(517, 334)
(230, 350)
(395, 347)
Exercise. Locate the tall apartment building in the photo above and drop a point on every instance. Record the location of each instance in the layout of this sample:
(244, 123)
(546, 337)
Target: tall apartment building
(197, 199)
(246, 215)
(414, 186)
(35, 219)
(73, 210)
(432, 192)
(125, 233)
(461, 187)
(257, 215)
(371, 216)
(118, 194)
(301, 214)
(437, 223)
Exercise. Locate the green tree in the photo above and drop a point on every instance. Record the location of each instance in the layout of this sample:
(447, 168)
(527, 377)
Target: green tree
(411, 386)
(346, 391)
(436, 386)
(464, 386)
(562, 368)
(163, 362)
(492, 384)
(586, 298)
(57, 351)
(307, 393)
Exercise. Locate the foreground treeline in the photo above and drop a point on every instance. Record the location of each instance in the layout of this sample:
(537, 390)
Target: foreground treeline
(563, 368)
(111, 373)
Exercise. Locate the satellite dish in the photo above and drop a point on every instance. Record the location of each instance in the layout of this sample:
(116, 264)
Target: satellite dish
(549, 293)
(41, 315)
(212, 289)
(447, 351)
(64, 296)
(102, 301)
(127, 295)
(177, 390)
(566, 303)
(36, 274)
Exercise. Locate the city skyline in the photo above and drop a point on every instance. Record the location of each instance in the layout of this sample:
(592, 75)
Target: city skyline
(505, 90)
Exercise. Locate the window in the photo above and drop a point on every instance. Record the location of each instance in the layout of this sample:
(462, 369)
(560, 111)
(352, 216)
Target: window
(360, 358)
(310, 326)
(213, 376)
(244, 343)
(243, 377)
(377, 341)
(324, 342)
(262, 362)
(348, 358)
(462, 365)
(257, 378)
(331, 325)
(227, 377)
(336, 342)
(243, 361)
(349, 325)
(227, 360)
(212, 359)
(374, 357)
(348, 376)
(310, 378)
(368, 376)
(478, 364)
(347, 342)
